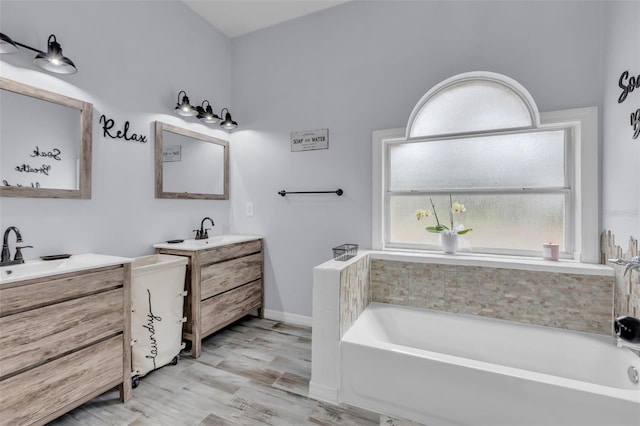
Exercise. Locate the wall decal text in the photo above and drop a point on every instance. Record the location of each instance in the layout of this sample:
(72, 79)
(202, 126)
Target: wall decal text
(635, 123)
(54, 153)
(628, 84)
(108, 124)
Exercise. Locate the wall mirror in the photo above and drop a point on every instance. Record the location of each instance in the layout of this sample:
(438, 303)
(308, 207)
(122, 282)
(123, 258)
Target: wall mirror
(190, 165)
(45, 143)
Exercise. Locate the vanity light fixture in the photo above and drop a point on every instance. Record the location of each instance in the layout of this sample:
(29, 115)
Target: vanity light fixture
(7, 45)
(207, 115)
(228, 123)
(203, 112)
(53, 60)
(183, 107)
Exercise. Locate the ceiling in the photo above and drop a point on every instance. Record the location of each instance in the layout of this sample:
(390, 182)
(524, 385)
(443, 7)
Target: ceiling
(237, 17)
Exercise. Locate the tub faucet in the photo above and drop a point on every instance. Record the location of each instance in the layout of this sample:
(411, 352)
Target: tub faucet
(631, 265)
(6, 254)
(202, 234)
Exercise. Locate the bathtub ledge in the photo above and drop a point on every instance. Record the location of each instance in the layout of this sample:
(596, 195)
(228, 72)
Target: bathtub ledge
(470, 259)
(502, 262)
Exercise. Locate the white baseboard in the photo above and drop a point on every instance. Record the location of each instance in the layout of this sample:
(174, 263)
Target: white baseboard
(293, 319)
(323, 393)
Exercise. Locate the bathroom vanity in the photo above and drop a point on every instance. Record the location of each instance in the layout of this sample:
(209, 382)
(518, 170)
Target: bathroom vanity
(64, 335)
(224, 282)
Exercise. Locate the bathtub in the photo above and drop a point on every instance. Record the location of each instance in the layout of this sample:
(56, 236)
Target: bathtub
(439, 368)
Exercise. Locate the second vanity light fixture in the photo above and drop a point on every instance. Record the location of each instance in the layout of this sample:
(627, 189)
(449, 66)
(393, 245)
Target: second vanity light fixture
(53, 60)
(204, 112)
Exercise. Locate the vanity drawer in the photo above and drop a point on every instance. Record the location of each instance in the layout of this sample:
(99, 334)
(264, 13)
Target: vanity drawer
(62, 384)
(230, 251)
(35, 293)
(31, 337)
(220, 277)
(218, 311)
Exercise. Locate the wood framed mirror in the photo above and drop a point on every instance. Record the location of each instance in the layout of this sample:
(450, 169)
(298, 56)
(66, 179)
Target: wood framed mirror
(190, 165)
(45, 143)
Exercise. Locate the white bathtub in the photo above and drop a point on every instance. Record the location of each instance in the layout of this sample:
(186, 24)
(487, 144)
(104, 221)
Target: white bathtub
(439, 368)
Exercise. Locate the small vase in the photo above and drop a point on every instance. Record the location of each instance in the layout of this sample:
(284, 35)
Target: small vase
(449, 243)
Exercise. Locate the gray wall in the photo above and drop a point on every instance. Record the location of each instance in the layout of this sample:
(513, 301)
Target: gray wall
(354, 68)
(133, 59)
(621, 153)
(363, 66)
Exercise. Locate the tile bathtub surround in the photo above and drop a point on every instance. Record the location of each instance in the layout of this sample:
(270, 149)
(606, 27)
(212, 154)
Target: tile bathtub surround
(627, 288)
(355, 292)
(569, 301)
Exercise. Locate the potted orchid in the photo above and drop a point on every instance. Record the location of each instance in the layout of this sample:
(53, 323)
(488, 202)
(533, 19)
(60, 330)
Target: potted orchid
(448, 234)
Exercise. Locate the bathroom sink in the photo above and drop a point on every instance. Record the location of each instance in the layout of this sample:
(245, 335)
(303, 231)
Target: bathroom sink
(218, 240)
(42, 268)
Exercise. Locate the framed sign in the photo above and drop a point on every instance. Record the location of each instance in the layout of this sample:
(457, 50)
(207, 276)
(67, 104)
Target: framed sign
(172, 153)
(310, 140)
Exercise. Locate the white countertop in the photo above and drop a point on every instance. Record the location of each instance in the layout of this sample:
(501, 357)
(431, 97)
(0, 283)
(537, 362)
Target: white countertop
(216, 241)
(43, 268)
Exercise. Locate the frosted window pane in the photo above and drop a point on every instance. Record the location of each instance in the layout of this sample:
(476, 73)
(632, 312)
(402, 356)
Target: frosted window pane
(522, 222)
(527, 160)
(471, 106)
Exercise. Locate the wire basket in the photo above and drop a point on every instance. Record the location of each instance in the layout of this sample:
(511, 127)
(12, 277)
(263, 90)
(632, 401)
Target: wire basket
(345, 252)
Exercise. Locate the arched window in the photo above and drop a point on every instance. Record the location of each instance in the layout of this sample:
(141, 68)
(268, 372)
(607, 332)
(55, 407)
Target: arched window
(472, 103)
(477, 139)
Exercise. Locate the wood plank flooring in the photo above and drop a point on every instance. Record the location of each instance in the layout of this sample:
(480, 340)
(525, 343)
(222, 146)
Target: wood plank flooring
(254, 372)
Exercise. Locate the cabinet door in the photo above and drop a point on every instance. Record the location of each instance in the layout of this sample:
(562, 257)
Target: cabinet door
(231, 251)
(61, 383)
(220, 277)
(34, 336)
(218, 311)
(35, 293)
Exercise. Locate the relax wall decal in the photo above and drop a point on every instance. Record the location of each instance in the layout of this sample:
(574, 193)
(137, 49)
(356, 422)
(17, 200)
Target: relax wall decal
(108, 124)
(628, 85)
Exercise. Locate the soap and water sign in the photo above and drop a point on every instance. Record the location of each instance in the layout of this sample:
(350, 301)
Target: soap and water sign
(310, 140)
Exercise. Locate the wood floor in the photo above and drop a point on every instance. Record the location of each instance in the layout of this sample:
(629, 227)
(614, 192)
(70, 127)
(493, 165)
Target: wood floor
(255, 372)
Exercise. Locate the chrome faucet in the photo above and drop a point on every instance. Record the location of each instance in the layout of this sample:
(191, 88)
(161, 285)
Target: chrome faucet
(6, 254)
(631, 265)
(202, 234)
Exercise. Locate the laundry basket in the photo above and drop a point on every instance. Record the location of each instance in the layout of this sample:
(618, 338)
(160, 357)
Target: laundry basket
(157, 297)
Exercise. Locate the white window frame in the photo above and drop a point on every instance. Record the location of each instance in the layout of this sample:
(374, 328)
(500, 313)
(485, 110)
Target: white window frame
(583, 165)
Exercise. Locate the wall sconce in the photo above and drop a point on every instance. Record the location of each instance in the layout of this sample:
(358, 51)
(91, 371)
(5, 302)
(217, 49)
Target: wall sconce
(228, 123)
(207, 115)
(183, 107)
(204, 112)
(53, 60)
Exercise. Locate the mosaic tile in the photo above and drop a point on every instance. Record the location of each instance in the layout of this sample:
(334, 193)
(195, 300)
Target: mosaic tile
(570, 301)
(355, 292)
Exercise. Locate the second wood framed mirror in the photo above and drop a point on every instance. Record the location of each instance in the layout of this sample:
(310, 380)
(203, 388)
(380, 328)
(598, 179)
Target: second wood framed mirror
(190, 165)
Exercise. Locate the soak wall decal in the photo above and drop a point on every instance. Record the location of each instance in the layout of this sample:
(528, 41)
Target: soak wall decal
(108, 132)
(628, 84)
(44, 169)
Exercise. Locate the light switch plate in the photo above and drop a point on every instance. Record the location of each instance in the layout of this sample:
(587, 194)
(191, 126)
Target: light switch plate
(249, 209)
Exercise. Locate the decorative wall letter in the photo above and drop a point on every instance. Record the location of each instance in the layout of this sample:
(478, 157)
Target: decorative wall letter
(628, 85)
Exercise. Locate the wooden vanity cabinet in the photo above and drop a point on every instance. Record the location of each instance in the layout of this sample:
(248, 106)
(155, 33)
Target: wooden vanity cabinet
(64, 340)
(224, 283)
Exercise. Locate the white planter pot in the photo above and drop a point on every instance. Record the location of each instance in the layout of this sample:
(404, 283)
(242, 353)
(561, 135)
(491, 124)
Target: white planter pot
(449, 243)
